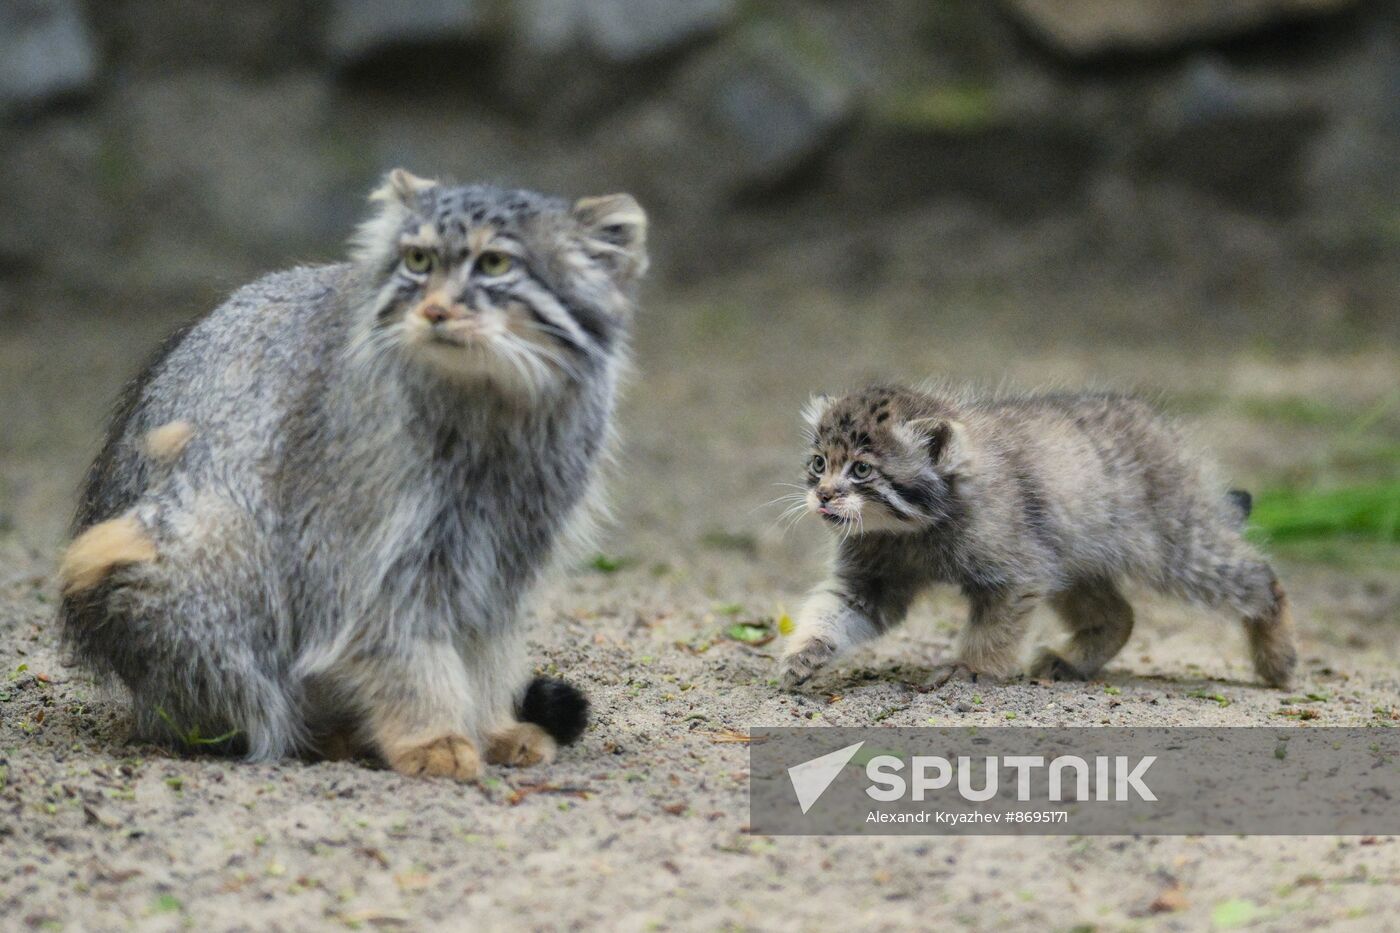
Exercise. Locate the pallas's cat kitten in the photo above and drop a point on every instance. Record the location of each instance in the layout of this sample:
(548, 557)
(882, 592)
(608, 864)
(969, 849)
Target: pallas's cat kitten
(319, 509)
(1017, 500)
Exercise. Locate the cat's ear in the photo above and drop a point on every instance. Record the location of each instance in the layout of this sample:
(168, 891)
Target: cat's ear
(943, 440)
(815, 410)
(614, 232)
(395, 201)
(401, 186)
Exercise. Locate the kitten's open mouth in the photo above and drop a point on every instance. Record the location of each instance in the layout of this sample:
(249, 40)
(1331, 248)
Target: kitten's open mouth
(832, 517)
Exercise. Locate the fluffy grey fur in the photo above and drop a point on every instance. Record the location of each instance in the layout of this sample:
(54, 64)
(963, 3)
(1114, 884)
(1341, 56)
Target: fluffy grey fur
(1018, 499)
(319, 510)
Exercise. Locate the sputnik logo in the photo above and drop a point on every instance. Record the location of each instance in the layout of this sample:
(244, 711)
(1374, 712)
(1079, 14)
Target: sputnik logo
(811, 778)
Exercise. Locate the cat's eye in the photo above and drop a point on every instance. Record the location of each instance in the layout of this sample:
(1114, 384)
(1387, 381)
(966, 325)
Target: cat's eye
(493, 263)
(817, 464)
(417, 260)
(861, 470)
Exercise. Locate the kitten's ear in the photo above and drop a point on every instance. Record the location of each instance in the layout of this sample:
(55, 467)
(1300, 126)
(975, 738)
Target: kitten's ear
(944, 440)
(815, 409)
(614, 231)
(401, 186)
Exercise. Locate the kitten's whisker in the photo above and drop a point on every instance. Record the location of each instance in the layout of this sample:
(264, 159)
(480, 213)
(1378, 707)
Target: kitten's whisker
(790, 497)
(790, 518)
(796, 509)
(847, 527)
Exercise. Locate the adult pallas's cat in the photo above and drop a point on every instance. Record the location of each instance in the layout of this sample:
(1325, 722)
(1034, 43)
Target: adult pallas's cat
(319, 510)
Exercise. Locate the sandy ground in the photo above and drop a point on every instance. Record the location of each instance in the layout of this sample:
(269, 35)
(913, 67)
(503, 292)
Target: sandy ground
(643, 824)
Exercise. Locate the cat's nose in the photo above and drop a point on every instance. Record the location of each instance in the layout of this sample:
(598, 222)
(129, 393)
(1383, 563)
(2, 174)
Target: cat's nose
(825, 495)
(437, 313)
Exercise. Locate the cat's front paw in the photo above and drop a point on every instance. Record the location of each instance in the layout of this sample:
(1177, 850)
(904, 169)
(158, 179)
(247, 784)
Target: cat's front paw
(452, 756)
(520, 745)
(799, 665)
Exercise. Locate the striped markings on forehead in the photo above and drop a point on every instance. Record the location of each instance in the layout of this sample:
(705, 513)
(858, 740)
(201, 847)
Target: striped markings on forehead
(466, 219)
(430, 236)
(458, 209)
(845, 441)
(423, 235)
(856, 424)
(865, 420)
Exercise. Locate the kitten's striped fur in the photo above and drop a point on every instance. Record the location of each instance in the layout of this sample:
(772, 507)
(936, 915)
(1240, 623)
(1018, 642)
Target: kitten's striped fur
(1019, 499)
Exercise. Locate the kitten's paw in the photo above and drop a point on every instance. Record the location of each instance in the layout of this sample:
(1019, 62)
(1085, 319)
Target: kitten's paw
(1050, 666)
(951, 671)
(520, 746)
(452, 756)
(798, 666)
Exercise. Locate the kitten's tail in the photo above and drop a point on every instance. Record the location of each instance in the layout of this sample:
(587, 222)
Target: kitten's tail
(557, 707)
(1243, 503)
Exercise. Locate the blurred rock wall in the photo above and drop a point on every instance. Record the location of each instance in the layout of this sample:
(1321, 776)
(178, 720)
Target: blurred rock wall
(158, 149)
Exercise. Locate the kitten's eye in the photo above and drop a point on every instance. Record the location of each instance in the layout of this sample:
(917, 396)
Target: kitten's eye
(417, 260)
(861, 470)
(493, 263)
(817, 464)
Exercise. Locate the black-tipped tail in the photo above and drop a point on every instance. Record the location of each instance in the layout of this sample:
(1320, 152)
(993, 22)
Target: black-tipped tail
(1242, 501)
(557, 707)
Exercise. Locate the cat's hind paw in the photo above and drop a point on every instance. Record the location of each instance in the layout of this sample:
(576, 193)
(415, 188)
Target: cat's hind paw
(1050, 666)
(520, 745)
(949, 672)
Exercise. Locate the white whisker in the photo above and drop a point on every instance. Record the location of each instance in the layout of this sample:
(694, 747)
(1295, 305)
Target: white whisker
(535, 360)
(588, 349)
(557, 359)
(790, 497)
(789, 519)
(511, 356)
